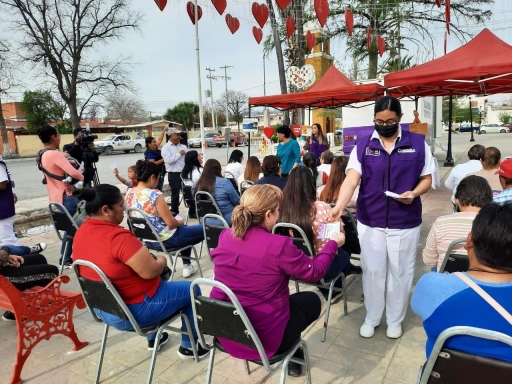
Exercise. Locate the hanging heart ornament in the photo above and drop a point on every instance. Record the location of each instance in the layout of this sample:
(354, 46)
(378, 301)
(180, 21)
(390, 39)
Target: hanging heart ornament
(268, 132)
(282, 4)
(220, 5)
(301, 77)
(233, 23)
(310, 40)
(257, 33)
(161, 4)
(349, 19)
(260, 13)
(290, 26)
(322, 11)
(191, 12)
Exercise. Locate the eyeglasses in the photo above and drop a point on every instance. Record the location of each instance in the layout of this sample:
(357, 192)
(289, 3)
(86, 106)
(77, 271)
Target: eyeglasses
(387, 122)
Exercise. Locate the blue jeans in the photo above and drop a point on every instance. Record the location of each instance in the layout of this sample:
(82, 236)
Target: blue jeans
(169, 298)
(183, 236)
(70, 203)
(161, 182)
(19, 250)
(340, 263)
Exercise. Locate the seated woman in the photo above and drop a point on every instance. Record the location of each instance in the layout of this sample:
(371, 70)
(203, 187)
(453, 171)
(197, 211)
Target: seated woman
(309, 161)
(25, 272)
(252, 170)
(473, 192)
(271, 168)
(444, 300)
(190, 174)
(328, 193)
(225, 195)
(172, 231)
(129, 266)
(235, 166)
(257, 265)
(301, 208)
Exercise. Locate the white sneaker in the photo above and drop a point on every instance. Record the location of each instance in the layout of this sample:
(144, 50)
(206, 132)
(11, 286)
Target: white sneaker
(394, 332)
(366, 331)
(189, 270)
(37, 248)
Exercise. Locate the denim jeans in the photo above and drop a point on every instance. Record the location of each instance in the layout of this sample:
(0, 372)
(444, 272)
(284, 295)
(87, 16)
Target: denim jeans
(19, 250)
(70, 203)
(340, 263)
(183, 236)
(169, 298)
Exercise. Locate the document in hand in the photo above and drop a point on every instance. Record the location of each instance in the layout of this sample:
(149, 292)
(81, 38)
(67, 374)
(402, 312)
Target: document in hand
(326, 230)
(396, 195)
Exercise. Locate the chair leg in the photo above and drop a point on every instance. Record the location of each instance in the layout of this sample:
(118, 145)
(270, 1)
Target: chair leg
(297, 287)
(173, 270)
(305, 349)
(209, 371)
(102, 352)
(61, 268)
(343, 283)
(153, 355)
(197, 261)
(190, 336)
(201, 249)
(328, 309)
(247, 369)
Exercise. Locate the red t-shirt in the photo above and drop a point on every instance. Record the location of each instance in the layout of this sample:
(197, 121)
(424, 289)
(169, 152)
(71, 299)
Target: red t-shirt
(110, 246)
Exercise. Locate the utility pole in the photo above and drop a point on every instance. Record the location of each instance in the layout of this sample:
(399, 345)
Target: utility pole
(237, 116)
(211, 94)
(226, 78)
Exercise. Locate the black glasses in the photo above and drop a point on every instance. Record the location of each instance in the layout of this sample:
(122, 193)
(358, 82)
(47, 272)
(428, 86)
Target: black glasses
(387, 122)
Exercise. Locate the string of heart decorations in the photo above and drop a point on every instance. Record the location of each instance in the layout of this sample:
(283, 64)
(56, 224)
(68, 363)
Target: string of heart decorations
(261, 14)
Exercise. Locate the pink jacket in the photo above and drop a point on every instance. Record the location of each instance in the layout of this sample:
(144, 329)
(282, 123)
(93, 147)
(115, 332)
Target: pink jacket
(55, 162)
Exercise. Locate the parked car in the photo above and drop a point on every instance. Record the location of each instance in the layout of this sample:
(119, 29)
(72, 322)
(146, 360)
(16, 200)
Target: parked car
(209, 138)
(492, 128)
(235, 138)
(466, 127)
(125, 143)
(507, 125)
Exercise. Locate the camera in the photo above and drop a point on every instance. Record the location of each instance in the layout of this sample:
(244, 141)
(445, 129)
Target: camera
(86, 138)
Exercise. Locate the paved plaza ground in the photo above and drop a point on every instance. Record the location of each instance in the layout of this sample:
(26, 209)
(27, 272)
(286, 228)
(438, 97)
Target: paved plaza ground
(344, 357)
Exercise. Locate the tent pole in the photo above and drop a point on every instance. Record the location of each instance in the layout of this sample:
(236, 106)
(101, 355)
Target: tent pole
(471, 120)
(449, 158)
(249, 133)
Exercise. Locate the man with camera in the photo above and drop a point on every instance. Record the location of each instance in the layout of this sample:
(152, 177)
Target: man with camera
(82, 149)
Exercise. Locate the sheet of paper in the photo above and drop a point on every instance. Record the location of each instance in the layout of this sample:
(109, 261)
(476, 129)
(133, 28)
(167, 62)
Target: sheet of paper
(396, 195)
(326, 230)
(82, 167)
(113, 166)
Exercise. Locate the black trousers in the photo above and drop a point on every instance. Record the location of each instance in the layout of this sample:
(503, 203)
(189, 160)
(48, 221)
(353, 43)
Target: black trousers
(305, 308)
(35, 271)
(175, 185)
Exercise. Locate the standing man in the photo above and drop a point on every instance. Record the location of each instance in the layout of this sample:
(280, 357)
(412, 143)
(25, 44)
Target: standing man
(174, 158)
(76, 151)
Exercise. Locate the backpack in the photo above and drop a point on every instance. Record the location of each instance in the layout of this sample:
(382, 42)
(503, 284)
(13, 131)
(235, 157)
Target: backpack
(42, 169)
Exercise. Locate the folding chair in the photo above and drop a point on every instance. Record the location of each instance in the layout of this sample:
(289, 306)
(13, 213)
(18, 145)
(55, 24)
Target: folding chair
(62, 221)
(302, 242)
(448, 366)
(228, 175)
(139, 224)
(244, 185)
(103, 296)
(351, 245)
(188, 197)
(229, 321)
(453, 262)
(205, 204)
(212, 230)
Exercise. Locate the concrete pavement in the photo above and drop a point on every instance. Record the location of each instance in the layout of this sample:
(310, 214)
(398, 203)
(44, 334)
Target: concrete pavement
(344, 357)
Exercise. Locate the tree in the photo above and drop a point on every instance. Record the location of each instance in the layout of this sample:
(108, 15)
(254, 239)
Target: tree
(389, 18)
(41, 108)
(237, 105)
(125, 107)
(504, 117)
(6, 82)
(60, 38)
(183, 113)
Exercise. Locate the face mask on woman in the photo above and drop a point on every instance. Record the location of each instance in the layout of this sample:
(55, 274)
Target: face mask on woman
(386, 130)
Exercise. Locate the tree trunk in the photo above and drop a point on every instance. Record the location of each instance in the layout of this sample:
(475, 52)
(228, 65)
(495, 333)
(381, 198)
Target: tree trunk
(279, 54)
(73, 113)
(373, 55)
(6, 152)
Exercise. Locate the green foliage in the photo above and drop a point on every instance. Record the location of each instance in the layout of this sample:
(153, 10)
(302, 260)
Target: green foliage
(41, 108)
(274, 137)
(183, 113)
(504, 117)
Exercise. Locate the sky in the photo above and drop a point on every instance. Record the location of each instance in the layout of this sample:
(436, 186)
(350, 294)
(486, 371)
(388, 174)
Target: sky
(164, 54)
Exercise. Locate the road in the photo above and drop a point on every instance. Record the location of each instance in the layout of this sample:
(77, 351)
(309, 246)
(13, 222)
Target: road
(28, 178)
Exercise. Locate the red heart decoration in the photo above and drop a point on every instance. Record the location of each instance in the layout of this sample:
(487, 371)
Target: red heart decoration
(260, 13)
(381, 45)
(268, 132)
(220, 5)
(282, 4)
(447, 5)
(445, 41)
(290, 26)
(233, 23)
(191, 13)
(310, 40)
(161, 4)
(322, 11)
(257, 33)
(369, 38)
(438, 2)
(349, 19)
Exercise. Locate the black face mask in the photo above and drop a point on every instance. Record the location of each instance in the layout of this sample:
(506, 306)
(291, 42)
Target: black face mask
(386, 130)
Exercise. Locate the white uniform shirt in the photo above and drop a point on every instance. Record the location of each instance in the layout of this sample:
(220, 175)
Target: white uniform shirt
(325, 168)
(460, 172)
(236, 169)
(428, 169)
(174, 161)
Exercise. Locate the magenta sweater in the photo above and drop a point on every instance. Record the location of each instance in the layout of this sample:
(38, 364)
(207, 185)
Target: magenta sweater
(257, 269)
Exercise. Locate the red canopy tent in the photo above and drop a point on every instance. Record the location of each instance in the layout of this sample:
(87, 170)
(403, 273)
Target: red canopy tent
(332, 90)
(482, 66)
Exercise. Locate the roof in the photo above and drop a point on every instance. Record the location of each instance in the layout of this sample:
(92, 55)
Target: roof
(332, 90)
(482, 66)
(142, 125)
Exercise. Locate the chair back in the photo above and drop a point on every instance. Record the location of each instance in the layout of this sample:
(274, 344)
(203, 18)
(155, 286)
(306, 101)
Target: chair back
(227, 320)
(212, 230)
(245, 184)
(101, 294)
(228, 175)
(446, 365)
(299, 238)
(352, 244)
(62, 220)
(141, 227)
(205, 204)
(186, 190)
(453, 262)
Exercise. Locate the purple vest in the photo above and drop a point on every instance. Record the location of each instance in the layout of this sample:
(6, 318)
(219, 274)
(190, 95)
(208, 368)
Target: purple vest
(316, 148)
(396, 172)
(6, 198)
